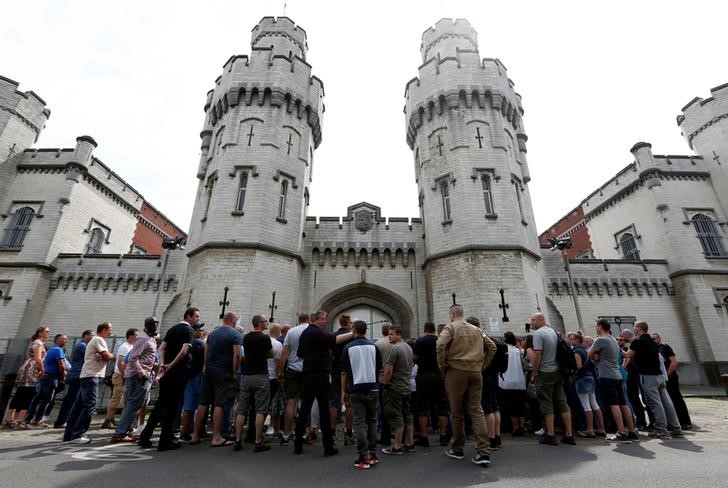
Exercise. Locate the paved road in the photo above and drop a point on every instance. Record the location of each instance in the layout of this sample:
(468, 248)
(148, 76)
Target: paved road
(37, 459)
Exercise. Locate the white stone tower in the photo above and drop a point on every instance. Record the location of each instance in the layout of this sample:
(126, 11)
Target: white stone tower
(262, 125)
(465, 129)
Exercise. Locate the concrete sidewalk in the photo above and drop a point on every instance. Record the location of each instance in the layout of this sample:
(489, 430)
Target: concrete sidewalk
(702, 391)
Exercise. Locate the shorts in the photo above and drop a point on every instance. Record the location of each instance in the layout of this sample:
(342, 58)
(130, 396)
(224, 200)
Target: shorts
(294, 384)
(335, 391)
(551, 394)
(117, 393)
(489, 396)
(430, 395)
(256, 391)
(612, 392)
(397, 409)
(218, 389)
(192, 393)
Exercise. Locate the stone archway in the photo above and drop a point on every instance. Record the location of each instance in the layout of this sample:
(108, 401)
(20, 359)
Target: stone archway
(367, 294)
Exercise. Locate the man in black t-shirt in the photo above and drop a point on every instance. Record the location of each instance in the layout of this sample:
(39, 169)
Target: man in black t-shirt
(670, 360)
(172, 376)
(255, 390)
(315, 345)
(430, 395)
(646, 356)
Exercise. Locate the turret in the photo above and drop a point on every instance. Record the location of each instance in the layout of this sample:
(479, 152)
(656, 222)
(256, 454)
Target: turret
(646, 166)
(262, 126)
(464, 126)
(704, 124)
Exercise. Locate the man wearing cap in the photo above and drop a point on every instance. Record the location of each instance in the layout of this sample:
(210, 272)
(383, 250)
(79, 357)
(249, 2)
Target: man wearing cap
(139, 364)
(173, 374)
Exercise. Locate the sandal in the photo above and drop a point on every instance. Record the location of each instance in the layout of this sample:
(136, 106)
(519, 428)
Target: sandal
(10, 424)
(21, 426)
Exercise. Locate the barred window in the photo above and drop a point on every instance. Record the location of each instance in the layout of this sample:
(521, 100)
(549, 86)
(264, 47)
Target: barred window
(18, 228)
(282, 200)
(708, 235)
(629, 248)
(487, 194)
(95, 241)
(242, 189)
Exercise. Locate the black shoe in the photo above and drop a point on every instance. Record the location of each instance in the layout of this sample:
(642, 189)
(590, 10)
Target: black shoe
(169, 446)
(297, 449)
(499, 441)
(237, 446)
(186, 437)
(331, 452)
(482, 458)
(633, 436)
(568, 440)
(422, 442)
(261, 447)
(494, 444)
(686, 426)
(145, 444)
(548, 440)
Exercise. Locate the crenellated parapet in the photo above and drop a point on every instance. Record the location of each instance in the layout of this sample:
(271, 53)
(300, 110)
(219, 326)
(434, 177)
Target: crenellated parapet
(28, 107)
(701, 114)
(280, 33)
(448, 36)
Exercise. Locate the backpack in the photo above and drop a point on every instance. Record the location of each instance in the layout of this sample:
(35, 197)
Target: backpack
(565, 357)
(500, 360)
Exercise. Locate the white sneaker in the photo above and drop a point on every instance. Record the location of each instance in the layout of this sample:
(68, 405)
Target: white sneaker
(139, 429)
(539, 433)
(81, 440)
(269, 432)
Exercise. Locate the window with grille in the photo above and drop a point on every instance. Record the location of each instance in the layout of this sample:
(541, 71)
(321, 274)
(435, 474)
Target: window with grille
(629, 247)
(242, 189)
(18, 228)
(487, 194)
(95, 241)
(282, 200)
(708, 235)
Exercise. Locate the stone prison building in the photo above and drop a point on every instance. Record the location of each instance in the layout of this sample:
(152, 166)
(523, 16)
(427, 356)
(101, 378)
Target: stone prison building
(79, 245)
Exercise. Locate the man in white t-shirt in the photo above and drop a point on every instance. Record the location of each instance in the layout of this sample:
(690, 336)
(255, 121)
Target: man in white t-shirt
(293, 373)
(94, 365)
(117, 393)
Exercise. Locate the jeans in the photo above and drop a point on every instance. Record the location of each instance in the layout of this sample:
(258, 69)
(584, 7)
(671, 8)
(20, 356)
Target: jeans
(315, 387)
(83, 410)
(364, 408)
(466, 386)
(134, 392)
(68, 399)
(658, 401)
(44, 391)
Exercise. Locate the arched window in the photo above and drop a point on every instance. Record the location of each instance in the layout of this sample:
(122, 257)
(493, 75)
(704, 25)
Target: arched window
(708, 235)
(96, 241)
(282, 200)
(487, 194)
(629, 248)
(446, 210)
(241, 191)
(18, 228)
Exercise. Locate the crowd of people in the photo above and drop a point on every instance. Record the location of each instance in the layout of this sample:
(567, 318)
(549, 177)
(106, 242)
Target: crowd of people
(285, 385)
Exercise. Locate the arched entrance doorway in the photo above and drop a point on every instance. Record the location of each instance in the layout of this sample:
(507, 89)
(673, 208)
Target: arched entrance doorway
(365, 296)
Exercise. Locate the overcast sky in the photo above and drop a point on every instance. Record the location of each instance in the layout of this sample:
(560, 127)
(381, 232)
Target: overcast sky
(594, 81)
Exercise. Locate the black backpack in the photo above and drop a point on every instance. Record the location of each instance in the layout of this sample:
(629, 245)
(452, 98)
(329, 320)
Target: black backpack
(565, 357)
(499, 364)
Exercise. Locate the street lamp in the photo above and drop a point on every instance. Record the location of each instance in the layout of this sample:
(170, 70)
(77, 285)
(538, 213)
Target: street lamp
(562, 245)
(168, 244)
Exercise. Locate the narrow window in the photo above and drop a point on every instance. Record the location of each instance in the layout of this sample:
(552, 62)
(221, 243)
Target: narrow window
(95, 241)
(487, 194)
(708, 235)
(629, 248)
(517, 188)
(241, 192)
(446, 211)
(18, 228)
(210, 186)
(282, 200)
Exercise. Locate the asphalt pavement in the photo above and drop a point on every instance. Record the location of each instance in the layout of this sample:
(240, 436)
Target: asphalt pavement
(37, 459)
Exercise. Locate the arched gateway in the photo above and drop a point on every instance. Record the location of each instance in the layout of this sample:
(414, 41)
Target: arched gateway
(371, 295)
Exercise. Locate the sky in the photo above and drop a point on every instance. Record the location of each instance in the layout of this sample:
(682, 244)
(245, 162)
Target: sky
(595, 78)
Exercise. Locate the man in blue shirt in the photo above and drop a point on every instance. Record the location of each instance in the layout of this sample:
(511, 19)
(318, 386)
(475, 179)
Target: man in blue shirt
(73, 378)
(360, 365)
(54, 370)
